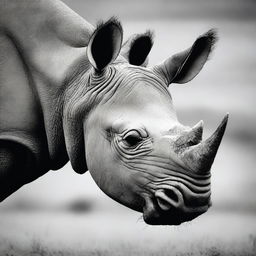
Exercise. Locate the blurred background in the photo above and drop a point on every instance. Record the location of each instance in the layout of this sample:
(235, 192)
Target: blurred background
(64, 211)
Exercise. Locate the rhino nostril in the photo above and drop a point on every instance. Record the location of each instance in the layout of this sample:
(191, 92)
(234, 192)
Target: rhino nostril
(167, 199)
(170, 194)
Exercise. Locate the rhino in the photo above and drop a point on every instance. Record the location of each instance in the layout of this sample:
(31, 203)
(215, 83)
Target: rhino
(73, 92)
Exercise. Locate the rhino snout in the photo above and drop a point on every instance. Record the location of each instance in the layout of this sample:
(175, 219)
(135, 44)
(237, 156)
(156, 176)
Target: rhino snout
(186, 200)
(171, 206)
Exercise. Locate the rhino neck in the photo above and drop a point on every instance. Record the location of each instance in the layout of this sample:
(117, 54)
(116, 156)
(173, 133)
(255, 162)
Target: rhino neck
(74, 96)
(50, 94)
(53, 104)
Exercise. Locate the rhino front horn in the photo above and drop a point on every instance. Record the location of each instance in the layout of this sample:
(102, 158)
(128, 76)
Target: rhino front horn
(201, 156)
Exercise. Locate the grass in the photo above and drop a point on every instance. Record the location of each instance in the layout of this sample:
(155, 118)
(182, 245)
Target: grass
(196, 249)
(119, 232)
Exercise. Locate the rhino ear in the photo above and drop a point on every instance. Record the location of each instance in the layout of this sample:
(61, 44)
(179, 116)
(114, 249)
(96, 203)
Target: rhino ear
(137, 48)
(184, 66)
(105, 44)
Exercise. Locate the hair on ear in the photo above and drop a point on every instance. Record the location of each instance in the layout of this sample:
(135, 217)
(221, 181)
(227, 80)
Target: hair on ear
(184, 66)
(196, 57)
(140, 47)
(113, 20)
(105, 43)
(211, 37)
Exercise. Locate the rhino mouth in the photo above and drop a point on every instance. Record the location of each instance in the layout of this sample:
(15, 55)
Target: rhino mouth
(174, 217)
(158, 211)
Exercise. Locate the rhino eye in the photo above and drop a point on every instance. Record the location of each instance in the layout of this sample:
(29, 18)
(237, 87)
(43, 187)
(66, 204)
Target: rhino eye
(132, 138)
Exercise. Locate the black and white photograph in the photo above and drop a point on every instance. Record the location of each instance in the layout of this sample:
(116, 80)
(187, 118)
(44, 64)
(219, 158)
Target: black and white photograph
(127, 128)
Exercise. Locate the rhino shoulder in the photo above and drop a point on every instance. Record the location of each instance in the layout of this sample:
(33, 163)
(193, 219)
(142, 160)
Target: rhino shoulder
(20, 115)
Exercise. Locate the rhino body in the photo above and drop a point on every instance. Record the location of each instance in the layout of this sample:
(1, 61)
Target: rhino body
(40, 44)
(69, 91)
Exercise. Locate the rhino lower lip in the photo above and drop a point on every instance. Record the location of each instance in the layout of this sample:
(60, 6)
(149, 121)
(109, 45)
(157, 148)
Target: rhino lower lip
(172, 217)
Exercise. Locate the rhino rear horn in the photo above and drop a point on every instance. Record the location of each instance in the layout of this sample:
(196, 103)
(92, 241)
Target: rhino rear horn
(201, 156)
(136, 49)
(184, 66)
(105, 44)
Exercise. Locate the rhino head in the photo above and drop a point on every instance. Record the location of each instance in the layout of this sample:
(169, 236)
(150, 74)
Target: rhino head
(120, 123)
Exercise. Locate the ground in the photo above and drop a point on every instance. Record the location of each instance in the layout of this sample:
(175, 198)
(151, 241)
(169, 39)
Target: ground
(63, 213)
(122, 232)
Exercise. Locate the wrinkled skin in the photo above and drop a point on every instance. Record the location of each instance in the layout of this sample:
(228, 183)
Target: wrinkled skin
(135, 130)
(136, 150)
(115, 116)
